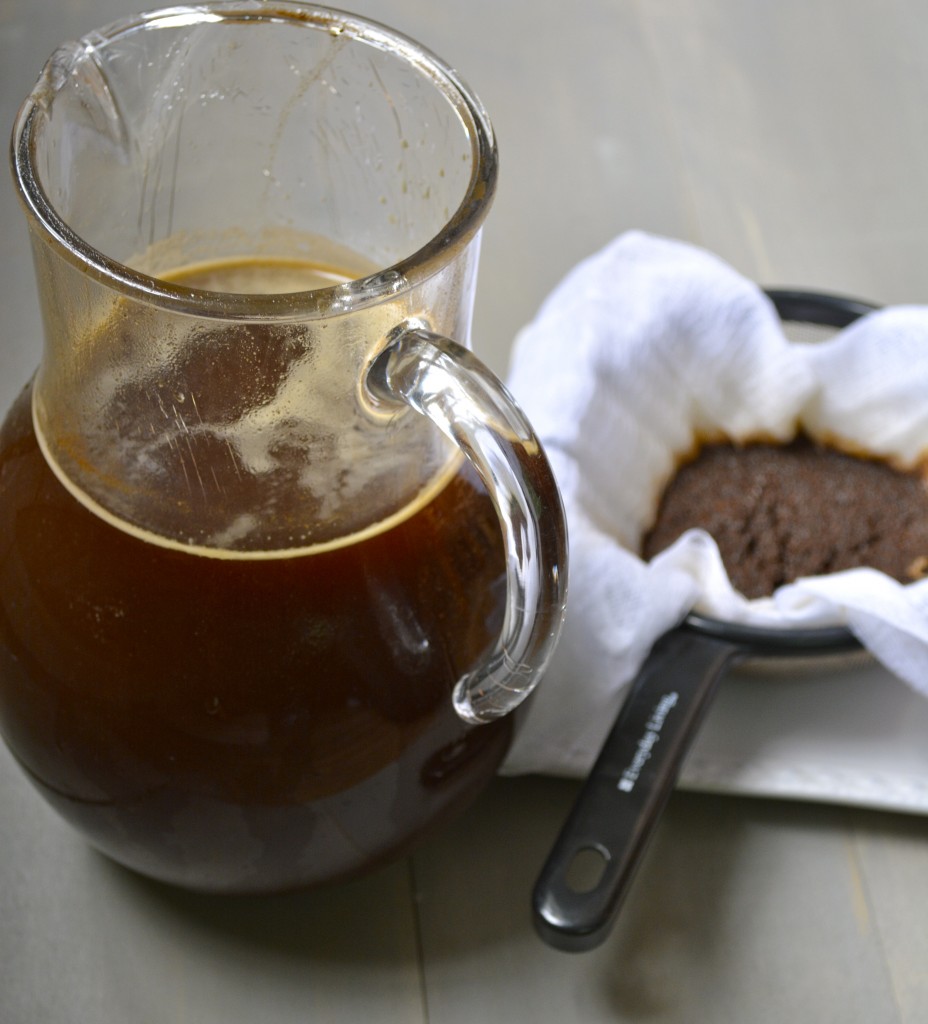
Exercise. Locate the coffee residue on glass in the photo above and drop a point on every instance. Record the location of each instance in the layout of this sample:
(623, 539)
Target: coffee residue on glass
(779, 512)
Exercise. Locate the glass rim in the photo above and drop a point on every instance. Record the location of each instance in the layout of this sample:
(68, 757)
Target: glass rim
(401, 276)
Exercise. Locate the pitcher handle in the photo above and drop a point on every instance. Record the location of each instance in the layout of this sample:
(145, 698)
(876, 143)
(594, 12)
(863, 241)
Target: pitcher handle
(447, 383)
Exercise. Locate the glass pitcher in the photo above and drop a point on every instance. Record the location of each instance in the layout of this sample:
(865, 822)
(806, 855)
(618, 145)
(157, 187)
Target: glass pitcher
(279, 559)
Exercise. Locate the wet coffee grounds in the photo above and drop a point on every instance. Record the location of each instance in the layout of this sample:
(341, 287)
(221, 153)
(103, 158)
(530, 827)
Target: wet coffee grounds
(780, 512)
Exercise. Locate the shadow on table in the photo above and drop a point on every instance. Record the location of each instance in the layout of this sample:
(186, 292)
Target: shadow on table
(366, 920)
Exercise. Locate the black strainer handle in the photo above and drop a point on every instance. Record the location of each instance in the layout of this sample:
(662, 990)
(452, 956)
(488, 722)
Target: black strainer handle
(593, 860)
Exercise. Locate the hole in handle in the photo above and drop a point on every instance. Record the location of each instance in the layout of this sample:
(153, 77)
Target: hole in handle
(586, 869)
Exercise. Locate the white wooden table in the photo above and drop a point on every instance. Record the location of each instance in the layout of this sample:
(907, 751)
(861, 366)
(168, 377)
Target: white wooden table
(791, 138)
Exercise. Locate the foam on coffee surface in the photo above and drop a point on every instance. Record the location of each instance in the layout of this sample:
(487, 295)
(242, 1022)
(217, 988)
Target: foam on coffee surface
(244, 436)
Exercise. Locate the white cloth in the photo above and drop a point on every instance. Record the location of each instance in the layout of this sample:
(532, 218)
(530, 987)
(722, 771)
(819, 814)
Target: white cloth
(643, 351)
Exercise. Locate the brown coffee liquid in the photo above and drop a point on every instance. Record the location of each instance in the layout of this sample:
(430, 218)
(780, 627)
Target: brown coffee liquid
(244, 723)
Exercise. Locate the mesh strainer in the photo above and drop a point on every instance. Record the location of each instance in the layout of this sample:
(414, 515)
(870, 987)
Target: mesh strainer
(582, 884)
